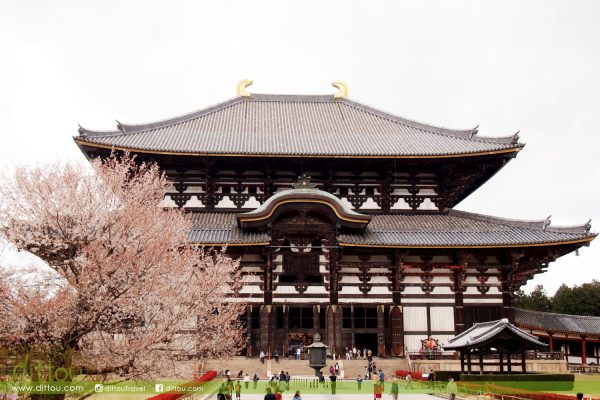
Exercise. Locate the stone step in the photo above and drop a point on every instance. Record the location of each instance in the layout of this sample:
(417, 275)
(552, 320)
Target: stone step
(353, 368)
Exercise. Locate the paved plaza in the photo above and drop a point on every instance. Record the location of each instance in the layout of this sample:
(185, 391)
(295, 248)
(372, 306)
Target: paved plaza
(343, 396)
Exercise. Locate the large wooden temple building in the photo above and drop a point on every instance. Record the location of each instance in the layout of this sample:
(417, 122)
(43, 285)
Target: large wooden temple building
(343, 217)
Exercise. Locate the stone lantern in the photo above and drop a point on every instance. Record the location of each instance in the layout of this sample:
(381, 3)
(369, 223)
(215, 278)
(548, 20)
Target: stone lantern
(317, 354)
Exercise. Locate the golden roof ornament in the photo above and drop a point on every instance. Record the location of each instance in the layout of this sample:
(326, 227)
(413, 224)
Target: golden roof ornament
(241, 87)
(342, 89)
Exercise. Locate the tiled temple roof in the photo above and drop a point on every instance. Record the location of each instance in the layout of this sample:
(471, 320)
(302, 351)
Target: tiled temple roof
(483, 332)
(552, 322)
(459, 228)
(294, 125)
(454, 229)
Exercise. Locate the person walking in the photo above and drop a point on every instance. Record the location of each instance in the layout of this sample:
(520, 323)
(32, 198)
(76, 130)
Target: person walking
(221, 392)
(269, 395)
(377, 390)
(298, 353)
(255, 380)
(452, 389)
(238, 390)
(297, 396)
(395, 389)
(276, 355)
(431, 379)
(408, 381)
(337, 368)
(246, 381)
(333, 379)
(359, 382)
(262, 356)
(331, 370)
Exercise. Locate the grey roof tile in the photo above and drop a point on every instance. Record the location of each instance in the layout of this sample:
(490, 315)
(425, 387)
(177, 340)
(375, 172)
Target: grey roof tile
(483, 331)
(457, 228)
(285, 125)
(578, 324)
(221, 228)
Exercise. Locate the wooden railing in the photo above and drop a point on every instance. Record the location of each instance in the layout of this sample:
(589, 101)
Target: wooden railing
(451, 355)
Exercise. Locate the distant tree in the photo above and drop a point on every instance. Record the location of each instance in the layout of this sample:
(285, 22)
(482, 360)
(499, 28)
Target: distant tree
(579, 300)
(126, 293)
(537, 300)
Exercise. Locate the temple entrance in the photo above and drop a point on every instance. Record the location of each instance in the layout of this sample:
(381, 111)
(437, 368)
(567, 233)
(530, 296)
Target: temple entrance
(366, 341)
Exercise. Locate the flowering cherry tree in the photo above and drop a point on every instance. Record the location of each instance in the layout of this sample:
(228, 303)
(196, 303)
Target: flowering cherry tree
(125, 293)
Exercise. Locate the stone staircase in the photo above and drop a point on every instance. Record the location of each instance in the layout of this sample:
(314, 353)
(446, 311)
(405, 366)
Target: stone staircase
(350, 369)
(353, 368)
(270, 367)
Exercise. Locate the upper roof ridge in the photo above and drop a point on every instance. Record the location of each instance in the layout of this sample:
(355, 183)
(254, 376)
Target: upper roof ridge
(466, 134)
(543, 224)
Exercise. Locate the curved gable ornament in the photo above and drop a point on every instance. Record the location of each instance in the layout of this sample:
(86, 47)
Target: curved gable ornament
(304, 192)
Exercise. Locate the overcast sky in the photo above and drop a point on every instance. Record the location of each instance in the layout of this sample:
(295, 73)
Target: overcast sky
(532, 66)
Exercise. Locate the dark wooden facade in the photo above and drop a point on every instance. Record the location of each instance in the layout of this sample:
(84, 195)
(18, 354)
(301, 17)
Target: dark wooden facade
(418, 268)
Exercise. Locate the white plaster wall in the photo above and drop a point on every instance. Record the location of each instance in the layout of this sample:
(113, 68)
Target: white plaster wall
(442, 318)
(415, 318)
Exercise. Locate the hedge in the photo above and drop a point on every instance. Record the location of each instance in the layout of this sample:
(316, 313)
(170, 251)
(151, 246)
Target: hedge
(198, 381)
(518, 377)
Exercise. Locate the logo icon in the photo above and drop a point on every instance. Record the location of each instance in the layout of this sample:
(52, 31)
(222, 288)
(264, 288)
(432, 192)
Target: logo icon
(159, 387)
(98, 388)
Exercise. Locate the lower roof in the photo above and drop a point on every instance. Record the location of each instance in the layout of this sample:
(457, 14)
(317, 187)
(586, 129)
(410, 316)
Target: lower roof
(483, 333)
(552, 322)
(453, 229)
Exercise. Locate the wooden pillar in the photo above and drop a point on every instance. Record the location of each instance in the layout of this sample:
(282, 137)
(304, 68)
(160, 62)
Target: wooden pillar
(480, 361)
(381, 330)
(501, 357)
(523, 363)
(583, 353)
(459, 309)
(508, 309)
(268, 278)
(316, 319)
(266, 329)
(462, 361)
(286, 326)
(334, 276)
(249, 349)
(508, 362)
(468, 361)
(334, 331)
(550, 344)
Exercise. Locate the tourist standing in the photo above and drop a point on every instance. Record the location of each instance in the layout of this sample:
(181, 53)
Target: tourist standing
(276, 355)
(297, 396)
(246, 381)
(409, 381)
(377, 390)
(337, 368)
(262, 356)
(394, 389)
(222, 391)
(333, 380)
(298, 353)
(452, 389)
(269, 395)
(431, 378)
(238, 390)
(359, 383)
